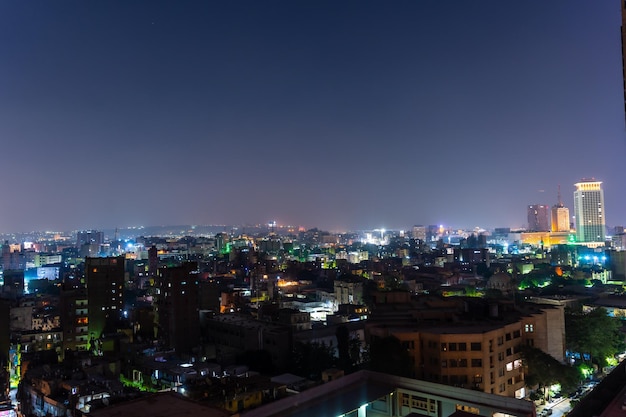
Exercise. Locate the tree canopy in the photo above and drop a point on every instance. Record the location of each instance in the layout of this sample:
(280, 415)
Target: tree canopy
(544, 370)
(595, 336)
(310, 359)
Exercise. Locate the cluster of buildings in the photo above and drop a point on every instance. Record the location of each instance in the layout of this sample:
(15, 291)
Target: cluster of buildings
(588, 225)
(241, 323)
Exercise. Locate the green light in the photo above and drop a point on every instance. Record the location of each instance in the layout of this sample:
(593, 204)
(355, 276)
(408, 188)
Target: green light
(585, 370)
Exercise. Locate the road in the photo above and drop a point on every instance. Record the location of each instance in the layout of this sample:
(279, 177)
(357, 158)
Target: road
(561, 407)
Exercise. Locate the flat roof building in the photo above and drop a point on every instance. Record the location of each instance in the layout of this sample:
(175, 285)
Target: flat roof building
(373, 394)
(161, 404)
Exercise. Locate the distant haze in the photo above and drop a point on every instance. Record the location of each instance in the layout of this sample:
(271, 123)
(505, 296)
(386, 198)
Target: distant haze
(332, 114)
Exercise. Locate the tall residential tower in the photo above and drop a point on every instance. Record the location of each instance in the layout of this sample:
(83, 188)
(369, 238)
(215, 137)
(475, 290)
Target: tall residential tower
(177, 307)
(105, 293)
(589, 211)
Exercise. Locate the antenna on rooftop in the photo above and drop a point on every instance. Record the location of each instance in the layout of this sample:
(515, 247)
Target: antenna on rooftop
(559, 196)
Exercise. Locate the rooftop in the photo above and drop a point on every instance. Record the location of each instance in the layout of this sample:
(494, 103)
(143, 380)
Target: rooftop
(354, 391)
(163, 404)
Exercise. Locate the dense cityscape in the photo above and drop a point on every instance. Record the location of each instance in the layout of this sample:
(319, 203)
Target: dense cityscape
(241, 320)
(364, 128)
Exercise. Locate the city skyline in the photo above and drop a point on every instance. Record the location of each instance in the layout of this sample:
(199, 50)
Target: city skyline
(338, 115)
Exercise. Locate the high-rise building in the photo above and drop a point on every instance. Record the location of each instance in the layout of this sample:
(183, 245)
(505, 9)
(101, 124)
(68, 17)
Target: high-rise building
(433, 232)
(13, 283)
(589, 211)
(89, 242)
(104, 278)
(177, 307)
(12, 257)
(74, 318)
(153, 261)
(560, 216)
(419, 232)
(89, 237)
(538, 218)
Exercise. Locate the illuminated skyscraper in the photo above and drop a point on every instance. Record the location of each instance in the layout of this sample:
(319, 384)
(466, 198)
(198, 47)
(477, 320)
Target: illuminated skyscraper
(560, 216)
(589, 211)
(538, 218)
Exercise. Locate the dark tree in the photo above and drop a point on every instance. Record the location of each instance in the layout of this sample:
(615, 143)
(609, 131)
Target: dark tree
(310, 359)
(544, 370)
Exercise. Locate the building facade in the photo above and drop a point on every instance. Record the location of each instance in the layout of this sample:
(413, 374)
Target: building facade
(485, 356)
(483, 359)
(560, 218)
(419, 232)
(348, 291)
(74, 319)
(234, 334)
(104, 278)
(13, 283)
(177, 308)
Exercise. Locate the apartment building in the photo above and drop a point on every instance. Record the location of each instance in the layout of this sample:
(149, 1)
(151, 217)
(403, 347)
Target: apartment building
(477, 352)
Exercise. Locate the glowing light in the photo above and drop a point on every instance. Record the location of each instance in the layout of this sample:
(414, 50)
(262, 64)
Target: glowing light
(586, 370)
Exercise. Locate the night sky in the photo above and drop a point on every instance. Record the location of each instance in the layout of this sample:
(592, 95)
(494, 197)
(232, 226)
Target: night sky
(332, 114)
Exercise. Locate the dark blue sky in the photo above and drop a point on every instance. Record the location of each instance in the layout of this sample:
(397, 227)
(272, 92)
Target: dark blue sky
(336, 114)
